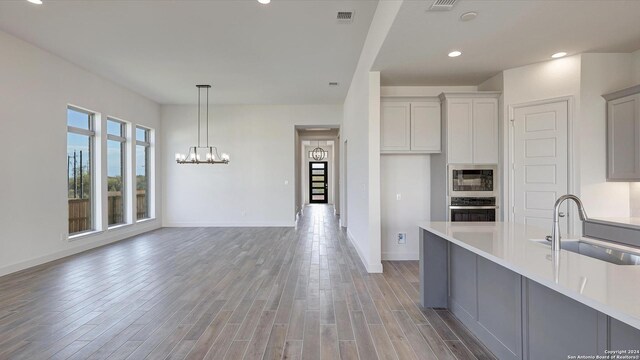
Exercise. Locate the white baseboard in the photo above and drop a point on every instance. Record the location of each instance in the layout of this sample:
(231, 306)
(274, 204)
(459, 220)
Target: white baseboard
(400, 256)
(231, 224)
(371, 268)
(82, 246)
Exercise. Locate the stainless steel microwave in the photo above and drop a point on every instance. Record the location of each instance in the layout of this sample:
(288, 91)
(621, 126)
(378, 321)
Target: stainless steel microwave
(473, 180)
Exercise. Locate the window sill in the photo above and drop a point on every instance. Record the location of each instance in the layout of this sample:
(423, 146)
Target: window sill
(144, 220)
(83, 235)
(118, 226)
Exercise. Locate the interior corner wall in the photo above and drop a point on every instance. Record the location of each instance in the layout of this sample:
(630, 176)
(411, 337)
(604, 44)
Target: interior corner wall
(362, 193)
(600, 74)
(257, 187)
(297, 146)
(35, 89)
(635, 64)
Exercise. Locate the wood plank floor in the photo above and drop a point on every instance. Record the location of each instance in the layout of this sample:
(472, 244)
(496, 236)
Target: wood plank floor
(226, 293)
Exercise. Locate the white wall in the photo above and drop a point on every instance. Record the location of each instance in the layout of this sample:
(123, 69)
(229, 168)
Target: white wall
(361, 128)
(636, 67)
(410, 177)
(600, 74)
(251, 189)
(35, 89)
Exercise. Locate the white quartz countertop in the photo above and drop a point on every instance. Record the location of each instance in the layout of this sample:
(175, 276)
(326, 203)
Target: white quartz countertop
(609, 288)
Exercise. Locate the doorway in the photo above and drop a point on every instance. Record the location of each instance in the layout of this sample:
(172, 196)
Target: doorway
(318, 182)
(540, 162)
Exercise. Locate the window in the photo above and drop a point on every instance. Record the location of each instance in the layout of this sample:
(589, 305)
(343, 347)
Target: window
(80, 165)
(143, 193)
(115, 172)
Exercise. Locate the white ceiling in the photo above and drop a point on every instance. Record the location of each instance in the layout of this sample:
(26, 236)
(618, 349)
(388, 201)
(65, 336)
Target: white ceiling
(505, 34)
(282, 53)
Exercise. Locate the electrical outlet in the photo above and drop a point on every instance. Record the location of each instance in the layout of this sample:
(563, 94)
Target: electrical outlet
(398, 196)
(402, 238)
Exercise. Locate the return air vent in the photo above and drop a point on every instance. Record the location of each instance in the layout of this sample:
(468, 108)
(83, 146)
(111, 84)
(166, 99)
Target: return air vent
(345, 17)
(442, 5)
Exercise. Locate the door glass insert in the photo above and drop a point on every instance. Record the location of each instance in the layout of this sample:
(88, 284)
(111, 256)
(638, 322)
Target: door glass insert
(318, 186)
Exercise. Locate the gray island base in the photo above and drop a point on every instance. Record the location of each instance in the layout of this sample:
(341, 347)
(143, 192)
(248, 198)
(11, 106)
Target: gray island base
(514, 316)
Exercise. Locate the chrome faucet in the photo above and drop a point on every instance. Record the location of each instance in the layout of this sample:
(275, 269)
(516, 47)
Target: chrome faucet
(555, 235)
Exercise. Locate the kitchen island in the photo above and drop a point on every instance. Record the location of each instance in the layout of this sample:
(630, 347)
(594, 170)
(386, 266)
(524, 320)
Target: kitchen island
(521, 300)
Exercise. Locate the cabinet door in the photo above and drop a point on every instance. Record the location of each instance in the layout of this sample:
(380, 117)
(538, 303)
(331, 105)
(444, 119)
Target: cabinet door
(460, 131)
(485, 131)
(425, 126)
(395, 126)
(623, 138)
(623, 336)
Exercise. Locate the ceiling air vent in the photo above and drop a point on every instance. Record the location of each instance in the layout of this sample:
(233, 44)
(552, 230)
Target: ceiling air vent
(442, 5)
(345, 17)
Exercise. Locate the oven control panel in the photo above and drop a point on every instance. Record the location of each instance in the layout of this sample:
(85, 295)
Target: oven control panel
(473, 201)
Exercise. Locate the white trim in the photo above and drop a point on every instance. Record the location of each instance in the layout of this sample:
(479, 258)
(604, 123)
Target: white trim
(572, 156)
(400, 256)
(375, 268)
(119, 236)
(230, 224)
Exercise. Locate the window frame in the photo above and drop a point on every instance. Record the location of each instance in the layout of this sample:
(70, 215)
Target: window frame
(124, 165)
(91, 134)
(146, 143)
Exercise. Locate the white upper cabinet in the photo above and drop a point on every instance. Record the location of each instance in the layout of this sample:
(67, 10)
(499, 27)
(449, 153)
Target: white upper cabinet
(425, 126)
(485, 131)
(395, 122)
(472, 128)
(410, 127)
(460, 131)
(623, 135)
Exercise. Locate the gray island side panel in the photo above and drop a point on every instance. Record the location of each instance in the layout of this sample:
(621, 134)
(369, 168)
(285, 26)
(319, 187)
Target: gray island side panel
(434, 286)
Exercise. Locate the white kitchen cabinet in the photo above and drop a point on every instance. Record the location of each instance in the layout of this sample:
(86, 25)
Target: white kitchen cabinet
(395, 122)
(485, 131)
(410, 127)
(623, 135)
(471, 122)
(459, 119)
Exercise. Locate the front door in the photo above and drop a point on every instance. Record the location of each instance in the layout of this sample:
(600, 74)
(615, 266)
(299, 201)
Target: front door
(540, 163)
(318, 184)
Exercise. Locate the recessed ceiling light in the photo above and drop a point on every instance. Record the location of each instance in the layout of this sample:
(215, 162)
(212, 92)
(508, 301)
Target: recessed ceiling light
(455, 53)
(37, 2)
(559, 55)
(468, 16)
(264, 2)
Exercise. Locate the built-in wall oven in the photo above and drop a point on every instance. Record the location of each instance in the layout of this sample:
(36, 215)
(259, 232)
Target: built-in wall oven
(473, 191)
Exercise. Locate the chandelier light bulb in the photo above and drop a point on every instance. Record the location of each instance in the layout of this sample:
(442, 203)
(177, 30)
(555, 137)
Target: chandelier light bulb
(225, 156)
(210, 152)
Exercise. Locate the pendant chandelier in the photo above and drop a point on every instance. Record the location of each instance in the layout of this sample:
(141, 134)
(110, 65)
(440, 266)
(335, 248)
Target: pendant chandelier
(318, 153)
(195, 152)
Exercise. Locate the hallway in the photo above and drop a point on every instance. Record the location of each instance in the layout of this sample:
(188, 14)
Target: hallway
(226, 293)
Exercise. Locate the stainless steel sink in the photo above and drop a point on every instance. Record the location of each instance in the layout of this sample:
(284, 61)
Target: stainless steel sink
(611, 253)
